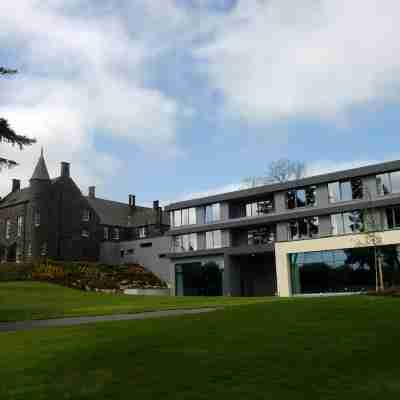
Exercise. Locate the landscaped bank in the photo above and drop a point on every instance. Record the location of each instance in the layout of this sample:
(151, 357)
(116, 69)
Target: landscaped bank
(335, 348)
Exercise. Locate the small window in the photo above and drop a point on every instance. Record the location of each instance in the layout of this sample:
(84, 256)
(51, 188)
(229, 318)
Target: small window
(122, 253)
(106, 232)
(162, 255)
(115, 234)
(29, 250)
(43, 249)
(20, 224)
(148, 244)
(86, 215)
(8, 229)
(130, 251)
(85, 233)
(36, 218)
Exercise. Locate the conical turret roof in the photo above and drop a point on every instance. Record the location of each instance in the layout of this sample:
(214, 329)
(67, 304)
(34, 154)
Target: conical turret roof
(40, 172)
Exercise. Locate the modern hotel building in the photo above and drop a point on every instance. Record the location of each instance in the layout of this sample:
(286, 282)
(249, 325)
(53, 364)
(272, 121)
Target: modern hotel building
(313, 235)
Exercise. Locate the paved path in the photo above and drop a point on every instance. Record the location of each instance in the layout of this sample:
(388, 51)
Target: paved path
(46, 323)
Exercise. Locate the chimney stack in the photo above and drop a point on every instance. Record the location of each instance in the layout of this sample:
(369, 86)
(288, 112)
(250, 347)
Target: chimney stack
(132, 201)
(92, 192)
(156, 204)
(16, 185)
(65, 169)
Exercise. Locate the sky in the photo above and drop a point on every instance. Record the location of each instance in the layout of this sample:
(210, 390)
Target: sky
(174, 99)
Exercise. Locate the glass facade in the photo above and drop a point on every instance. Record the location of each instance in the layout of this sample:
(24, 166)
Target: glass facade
(303, 228)
(349, 222)
(345, 190)
(258, 208)
(185, 216)
(199, 277)
(388, 183)
(346, 270)
(213, 239)
(305, 197)
(262, 235)
(212, 213)
(182, 243)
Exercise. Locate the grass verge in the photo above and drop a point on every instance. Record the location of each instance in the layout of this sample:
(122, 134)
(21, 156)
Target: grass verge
(329, 348)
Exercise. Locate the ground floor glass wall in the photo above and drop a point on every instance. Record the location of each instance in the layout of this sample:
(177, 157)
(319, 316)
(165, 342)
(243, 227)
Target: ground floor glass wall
(199, 277)
(346, 270)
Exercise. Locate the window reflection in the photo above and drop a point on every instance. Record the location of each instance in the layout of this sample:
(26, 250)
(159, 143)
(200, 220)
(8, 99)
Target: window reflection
(346, 270)
(182, 243)
(349, 222)
(301, 197)
(345, 190)
(303, 228)
(388, 183)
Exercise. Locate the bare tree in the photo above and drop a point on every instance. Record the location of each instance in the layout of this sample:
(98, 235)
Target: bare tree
(281, 170)
(284, 170)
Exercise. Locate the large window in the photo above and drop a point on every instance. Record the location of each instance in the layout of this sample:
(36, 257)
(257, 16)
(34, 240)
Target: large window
(263, 235)
(388, 183)
(345, 190)
(303, 228)
(349, 222)
(393, 217)
(297, 198)
(260, 207)
(346, 270)
(213, 240)
(186, 216)
(182, 243)
(212, 213)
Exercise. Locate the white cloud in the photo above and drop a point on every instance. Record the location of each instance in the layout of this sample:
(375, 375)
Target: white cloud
(279, 58)
(82, 75)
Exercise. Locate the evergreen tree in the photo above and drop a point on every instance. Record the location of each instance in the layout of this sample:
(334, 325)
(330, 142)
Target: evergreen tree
(8, 135)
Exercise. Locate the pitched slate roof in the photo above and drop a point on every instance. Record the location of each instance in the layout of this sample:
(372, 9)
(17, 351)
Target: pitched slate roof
(13, 198)
(120, 214)
(40, 172)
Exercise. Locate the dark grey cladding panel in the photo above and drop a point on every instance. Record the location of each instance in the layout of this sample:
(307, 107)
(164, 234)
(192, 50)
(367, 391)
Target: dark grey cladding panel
(231, 251)
(291, 214)
(198, 253)
(312, 180)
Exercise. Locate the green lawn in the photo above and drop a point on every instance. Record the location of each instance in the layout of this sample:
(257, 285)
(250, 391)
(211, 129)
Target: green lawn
(36, 300)
(321, 348)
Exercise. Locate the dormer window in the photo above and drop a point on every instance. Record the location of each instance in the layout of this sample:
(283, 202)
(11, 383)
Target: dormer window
(86, 215)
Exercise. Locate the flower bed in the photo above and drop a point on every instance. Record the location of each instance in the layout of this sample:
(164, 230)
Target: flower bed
(83, 275)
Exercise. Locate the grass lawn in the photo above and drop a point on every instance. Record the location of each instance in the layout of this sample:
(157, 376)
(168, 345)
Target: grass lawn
(37, 300)
(316, 348)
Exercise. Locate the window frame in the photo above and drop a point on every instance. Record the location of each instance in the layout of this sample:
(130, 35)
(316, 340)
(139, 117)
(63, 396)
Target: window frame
(292, 195)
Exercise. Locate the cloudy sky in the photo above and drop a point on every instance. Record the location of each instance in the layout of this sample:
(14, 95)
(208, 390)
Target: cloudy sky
(172, 98)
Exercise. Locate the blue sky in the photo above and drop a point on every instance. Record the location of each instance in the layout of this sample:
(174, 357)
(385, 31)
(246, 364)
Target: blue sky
(170, 99)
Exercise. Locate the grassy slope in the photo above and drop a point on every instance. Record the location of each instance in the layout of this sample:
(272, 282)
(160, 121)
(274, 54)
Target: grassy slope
(35, 300)
(336, 348)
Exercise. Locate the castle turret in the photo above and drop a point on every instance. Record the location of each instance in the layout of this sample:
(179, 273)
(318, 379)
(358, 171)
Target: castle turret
(40, 174)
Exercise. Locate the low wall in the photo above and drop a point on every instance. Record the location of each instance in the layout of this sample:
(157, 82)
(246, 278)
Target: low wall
(148, 292)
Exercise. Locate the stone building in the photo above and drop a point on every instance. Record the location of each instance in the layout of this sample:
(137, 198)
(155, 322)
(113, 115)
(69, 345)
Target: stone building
(52, 218)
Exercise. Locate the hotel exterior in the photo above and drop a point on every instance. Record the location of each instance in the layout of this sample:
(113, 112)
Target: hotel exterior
(321, 234)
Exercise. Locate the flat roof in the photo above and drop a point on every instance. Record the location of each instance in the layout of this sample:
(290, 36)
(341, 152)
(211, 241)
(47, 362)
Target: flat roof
(243, 194)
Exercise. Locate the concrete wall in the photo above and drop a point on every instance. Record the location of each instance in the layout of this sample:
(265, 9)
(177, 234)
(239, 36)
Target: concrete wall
(147, 256)
(283, 249)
